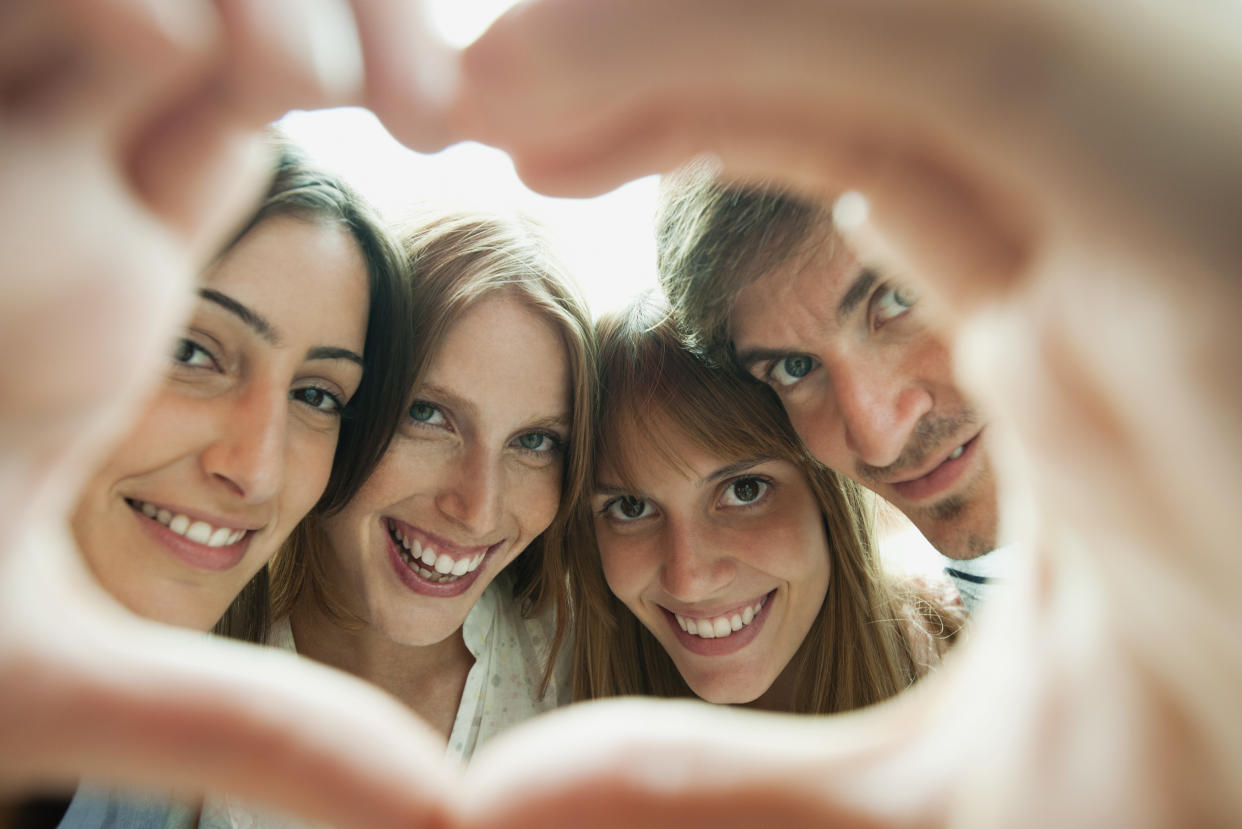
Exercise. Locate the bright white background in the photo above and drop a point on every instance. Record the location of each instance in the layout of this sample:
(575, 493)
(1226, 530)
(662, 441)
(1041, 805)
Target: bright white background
(607, 242)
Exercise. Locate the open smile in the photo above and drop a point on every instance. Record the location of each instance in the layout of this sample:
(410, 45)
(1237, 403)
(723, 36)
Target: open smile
(430, 567)
(719, 634)
(200, 543)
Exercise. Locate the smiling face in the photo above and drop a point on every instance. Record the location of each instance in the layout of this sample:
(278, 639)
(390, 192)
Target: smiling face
(237, 445)
(724, 560)
(870, 389)
(472, 477)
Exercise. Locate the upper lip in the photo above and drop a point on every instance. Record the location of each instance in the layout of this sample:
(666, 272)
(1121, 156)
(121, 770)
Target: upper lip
(441, 544)
(724, 610)
(196, 515)
(929, 467)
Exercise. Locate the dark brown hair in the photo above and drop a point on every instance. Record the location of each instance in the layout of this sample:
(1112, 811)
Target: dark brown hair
(301, 191)
(714, 238)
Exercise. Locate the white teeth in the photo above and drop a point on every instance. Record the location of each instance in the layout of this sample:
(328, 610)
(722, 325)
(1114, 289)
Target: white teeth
(200, 532)
(720, 626)
(435, 567)
(957, 453)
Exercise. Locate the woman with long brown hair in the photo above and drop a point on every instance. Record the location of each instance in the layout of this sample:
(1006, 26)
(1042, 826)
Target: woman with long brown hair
(717, 558)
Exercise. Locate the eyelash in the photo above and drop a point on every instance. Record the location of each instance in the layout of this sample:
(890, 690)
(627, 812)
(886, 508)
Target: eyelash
(769, 372)
(336, 408)
(557, 443)
(194, 348)
(900, 296)
(765, 489)
(606, 511)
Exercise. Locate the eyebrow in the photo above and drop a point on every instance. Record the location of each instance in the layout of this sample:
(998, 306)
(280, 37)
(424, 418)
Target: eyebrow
(255, 321)
(759, 354)
(857, 292)
(734, 468)
(327, 352)
(725, 471)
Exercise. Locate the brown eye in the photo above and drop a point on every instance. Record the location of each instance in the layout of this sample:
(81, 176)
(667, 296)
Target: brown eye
(744, 491)
(631, 507)
(189, 353)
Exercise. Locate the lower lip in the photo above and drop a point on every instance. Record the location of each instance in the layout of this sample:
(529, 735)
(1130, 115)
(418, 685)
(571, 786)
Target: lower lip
(198, 556)
(941, 478)
(418, 584)
(732, 643)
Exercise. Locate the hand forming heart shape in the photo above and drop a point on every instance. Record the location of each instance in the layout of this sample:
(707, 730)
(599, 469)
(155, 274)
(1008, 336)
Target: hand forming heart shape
(1076, 211)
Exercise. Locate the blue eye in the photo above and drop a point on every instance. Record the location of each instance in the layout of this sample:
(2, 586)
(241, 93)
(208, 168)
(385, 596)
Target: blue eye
(538, 442)
(318, 399)
(189, 353)
(743, 491)
(786, 371)
(424, 412)
(890, 302)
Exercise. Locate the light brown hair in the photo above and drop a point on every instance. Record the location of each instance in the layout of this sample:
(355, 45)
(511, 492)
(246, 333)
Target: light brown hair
(651, 384)
(714, 238)
(456, 260)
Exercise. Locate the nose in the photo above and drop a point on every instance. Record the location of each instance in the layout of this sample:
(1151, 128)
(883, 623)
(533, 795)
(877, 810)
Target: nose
(472, 491)
(248, 452)
(879, 409)
(693, 567)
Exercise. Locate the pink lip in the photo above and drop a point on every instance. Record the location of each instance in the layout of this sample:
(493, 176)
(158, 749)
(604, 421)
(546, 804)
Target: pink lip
(411, 579)
(729, 644)
(941, 477)
(198, 556)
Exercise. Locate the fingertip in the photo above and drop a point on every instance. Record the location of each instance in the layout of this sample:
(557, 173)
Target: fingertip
(413, 77)
(199, 172)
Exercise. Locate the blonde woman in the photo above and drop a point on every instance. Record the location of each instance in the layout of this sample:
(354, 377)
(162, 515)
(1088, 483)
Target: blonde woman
(719, 559)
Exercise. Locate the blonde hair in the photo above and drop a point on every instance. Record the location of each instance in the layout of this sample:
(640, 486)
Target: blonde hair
(856, 652)
(456, 260)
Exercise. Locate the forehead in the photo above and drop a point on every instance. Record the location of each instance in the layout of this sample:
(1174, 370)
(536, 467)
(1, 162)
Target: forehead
(796, 301)
(308, 278)
(506, 354)
(647, 451)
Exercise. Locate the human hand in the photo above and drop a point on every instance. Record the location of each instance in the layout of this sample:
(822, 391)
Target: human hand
(1072, 198)
(131, 145)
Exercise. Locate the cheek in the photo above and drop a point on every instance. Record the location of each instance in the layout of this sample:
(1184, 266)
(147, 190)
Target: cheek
(535, 497)
(308, 465)
(626, 563)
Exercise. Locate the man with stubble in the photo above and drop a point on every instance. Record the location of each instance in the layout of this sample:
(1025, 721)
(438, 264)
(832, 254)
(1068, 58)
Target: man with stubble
(763, 281)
